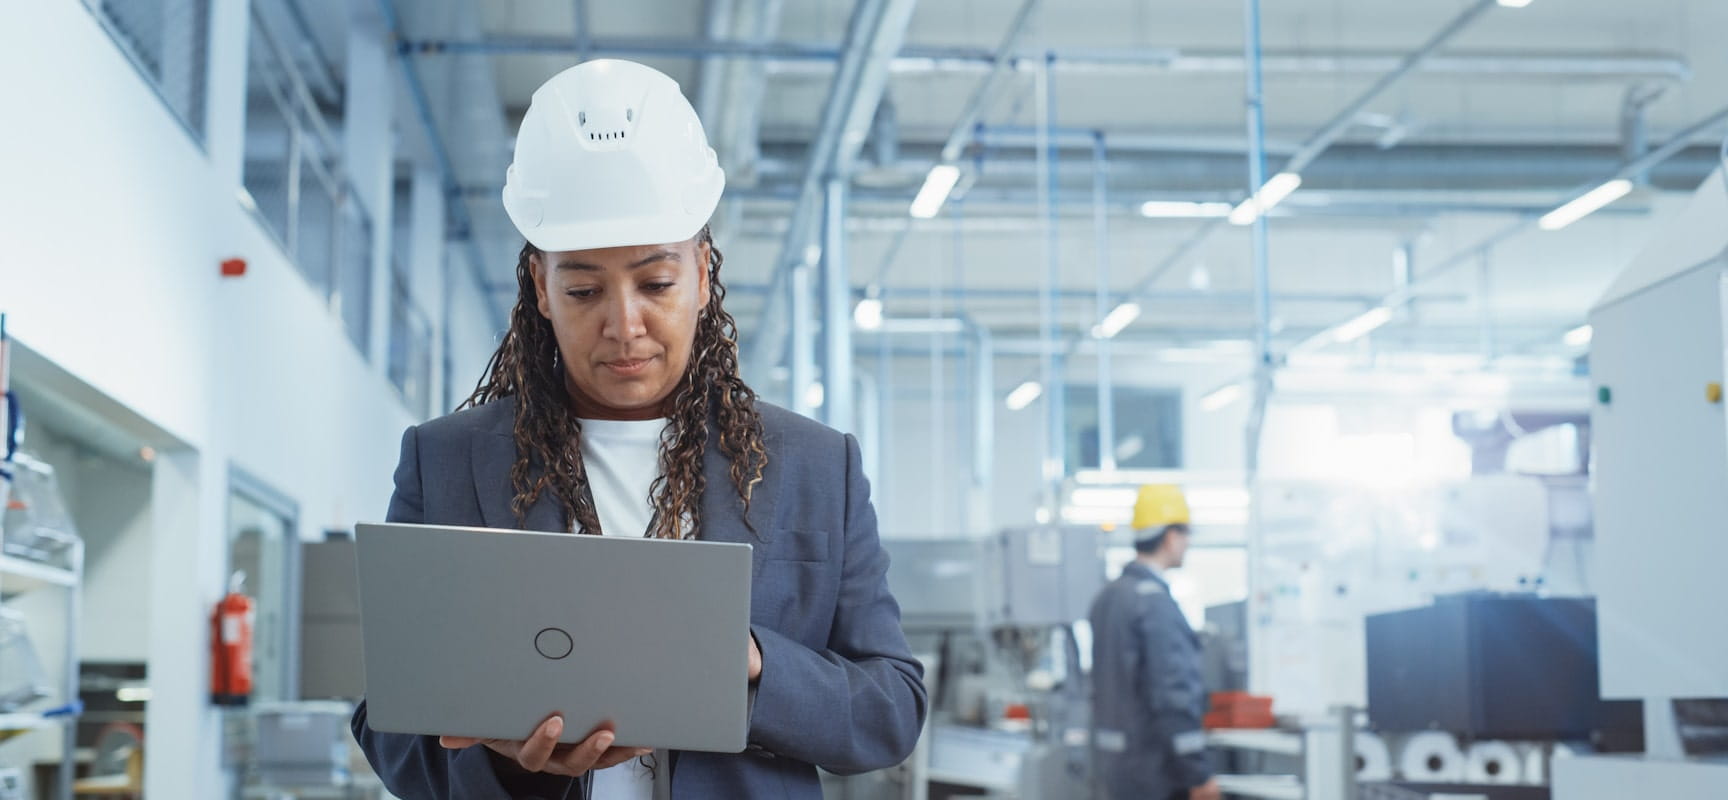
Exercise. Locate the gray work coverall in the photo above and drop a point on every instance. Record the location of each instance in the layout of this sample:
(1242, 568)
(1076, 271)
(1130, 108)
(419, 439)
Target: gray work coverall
(1147, 693)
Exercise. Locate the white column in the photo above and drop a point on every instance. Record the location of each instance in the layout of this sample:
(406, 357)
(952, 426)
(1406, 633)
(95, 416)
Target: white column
(225, 102)
(368, 149)
(426, 269)
(188, 533)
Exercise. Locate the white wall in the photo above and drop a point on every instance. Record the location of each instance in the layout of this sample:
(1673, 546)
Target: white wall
(115, 224)
(113, 504)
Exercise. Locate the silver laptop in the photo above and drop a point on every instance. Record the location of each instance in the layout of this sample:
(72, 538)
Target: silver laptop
(481, 632)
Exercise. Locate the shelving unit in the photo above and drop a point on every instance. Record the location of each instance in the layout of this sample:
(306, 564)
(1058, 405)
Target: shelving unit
(17, 576)
(23, 576)
(26, 722)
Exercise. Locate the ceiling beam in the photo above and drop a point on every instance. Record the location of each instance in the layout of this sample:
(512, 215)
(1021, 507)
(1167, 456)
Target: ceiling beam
(876, 32)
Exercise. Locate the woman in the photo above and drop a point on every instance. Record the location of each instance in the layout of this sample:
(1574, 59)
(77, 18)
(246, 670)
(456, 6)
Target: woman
(613, 406)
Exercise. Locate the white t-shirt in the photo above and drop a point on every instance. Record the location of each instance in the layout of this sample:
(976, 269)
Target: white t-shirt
(623, 459)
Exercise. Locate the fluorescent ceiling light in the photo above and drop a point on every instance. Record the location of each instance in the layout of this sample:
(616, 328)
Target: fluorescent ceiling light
(1586, 204)
(1362, 325)
(1200, 278)
(922, 325)
(1579, 336)
(1266, 199)
(868, 313)
(1161, 209)
(1221, 397)
(937, 185)
(1116, 320)
(1514, 3)
(1023, 395)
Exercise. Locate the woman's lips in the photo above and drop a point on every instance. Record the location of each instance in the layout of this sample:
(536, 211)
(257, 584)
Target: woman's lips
(628, 368)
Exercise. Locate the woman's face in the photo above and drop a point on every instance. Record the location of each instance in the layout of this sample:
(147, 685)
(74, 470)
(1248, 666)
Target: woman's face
(625, 320)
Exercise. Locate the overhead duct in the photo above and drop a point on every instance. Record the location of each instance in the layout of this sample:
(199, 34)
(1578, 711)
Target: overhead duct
(817, 58)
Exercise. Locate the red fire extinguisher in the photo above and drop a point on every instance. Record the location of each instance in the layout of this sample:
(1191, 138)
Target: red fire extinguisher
(231, 647)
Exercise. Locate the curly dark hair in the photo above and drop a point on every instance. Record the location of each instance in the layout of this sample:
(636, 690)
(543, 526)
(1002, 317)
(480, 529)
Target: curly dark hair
(549, 435)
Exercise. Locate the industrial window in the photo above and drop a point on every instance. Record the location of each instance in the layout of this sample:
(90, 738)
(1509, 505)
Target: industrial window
(1148, 427)
(168, 41)
(294, 179)
(410, 360)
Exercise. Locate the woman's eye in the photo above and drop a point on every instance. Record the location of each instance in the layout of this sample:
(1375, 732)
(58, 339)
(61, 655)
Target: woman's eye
(582, 294)
(659, 287)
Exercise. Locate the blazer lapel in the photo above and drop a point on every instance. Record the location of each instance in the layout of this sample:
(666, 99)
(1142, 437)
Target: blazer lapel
(494, 454)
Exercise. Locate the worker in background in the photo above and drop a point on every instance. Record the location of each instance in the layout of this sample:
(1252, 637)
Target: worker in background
(1147, 694)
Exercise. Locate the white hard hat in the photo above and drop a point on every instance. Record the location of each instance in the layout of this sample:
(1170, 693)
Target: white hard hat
(610, 154)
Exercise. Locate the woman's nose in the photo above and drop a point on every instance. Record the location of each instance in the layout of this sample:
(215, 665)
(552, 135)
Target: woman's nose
(624, 317)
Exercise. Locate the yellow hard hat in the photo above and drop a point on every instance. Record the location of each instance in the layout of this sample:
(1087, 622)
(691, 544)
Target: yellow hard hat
(1158, 505)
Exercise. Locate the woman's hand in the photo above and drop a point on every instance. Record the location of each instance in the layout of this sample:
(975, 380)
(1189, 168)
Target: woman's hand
(541, 752)
(755, 660)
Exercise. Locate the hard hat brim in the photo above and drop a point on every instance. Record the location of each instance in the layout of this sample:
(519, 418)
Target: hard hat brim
(615, 233)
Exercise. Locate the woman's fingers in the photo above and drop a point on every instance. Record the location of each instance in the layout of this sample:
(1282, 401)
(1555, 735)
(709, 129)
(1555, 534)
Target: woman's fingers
(582, 757)
(538, 748)
(541, 752)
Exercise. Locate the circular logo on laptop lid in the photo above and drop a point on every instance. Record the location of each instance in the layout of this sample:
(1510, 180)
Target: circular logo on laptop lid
(553, 643)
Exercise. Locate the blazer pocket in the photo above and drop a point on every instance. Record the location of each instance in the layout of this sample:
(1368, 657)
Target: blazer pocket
(796, 545)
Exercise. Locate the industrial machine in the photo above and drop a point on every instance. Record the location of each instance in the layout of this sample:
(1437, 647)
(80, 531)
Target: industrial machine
(995, 619)
(1423, 635)
(1658, 364)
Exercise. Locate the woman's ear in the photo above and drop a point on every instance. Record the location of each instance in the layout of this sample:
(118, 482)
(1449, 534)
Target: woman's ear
(537, 269)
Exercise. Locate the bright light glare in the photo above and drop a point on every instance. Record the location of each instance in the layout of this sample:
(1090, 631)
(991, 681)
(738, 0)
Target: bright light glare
(1116, 320)
(1164, 209)
(1104, 496)
(1220, 397)
(815, 396)
(868, 314)
(1023, 395)
(937, 185)
(1579, 336)
(1217, 497)
(1586, 204)
(1362, 325)
(1513, 3)
(1266, 199)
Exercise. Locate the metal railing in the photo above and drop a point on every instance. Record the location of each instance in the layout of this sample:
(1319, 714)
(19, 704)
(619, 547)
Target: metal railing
(294, 181)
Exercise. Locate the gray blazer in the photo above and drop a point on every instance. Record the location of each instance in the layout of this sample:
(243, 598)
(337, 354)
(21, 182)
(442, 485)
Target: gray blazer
(1147, 691)
(839, 687)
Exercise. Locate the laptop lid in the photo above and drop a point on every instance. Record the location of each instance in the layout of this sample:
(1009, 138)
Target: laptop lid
(484, 632)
